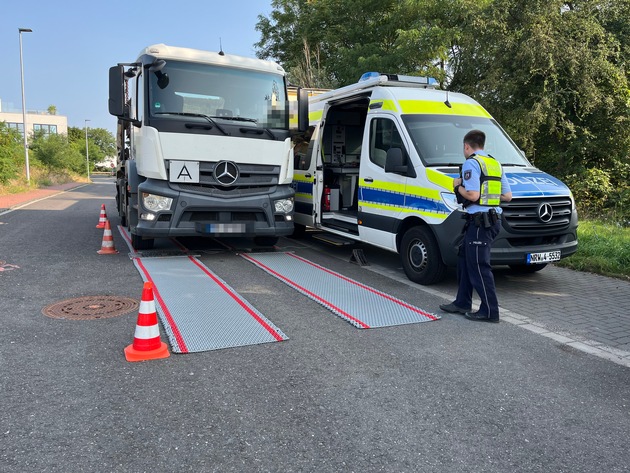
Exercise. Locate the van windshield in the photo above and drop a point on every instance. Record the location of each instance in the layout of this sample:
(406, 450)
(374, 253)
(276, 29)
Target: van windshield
(438, 139)
(222, 93)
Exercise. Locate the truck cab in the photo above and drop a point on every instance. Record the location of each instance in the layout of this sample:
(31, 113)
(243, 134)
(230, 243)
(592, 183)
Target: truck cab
(203, 146)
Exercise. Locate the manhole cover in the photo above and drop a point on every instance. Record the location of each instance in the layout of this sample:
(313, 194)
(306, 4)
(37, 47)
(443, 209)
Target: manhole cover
(90, 307)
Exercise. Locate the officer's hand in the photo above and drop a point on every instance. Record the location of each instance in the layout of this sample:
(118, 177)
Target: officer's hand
(457, 181)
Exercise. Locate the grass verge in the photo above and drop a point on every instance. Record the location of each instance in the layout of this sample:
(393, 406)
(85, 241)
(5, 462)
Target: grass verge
(603, 248)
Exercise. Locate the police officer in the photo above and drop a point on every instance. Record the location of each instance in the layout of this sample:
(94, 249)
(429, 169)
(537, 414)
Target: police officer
(480, 189)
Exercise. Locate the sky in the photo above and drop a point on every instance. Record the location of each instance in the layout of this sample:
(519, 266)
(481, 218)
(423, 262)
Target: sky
(74, 43)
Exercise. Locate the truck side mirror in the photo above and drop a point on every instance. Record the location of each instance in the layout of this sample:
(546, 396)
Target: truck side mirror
(302, 96)
(395, 162)
(117, 91)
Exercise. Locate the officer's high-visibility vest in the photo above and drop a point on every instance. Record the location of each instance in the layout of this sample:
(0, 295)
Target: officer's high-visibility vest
(490, 181)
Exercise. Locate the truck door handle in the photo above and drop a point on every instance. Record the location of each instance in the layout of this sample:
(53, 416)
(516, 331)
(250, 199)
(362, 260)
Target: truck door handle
(308, 174)
(368, 179)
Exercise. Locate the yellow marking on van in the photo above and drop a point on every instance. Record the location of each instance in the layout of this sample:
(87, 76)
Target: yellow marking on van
(301, 178)
(415, 191)
(315, 116)
(440, 179)
(386, 105)
(382, 185)
(429, 107)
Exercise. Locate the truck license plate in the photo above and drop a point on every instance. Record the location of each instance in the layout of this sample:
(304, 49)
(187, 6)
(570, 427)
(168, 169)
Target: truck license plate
(184, 171)
(537, 258)
(221, 228)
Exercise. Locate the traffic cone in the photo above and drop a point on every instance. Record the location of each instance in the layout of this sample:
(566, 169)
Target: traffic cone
(107, 246)
(102, 217)
(146, 341)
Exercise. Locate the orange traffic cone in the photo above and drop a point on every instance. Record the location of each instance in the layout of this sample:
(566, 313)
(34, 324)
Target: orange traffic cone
(107, 246)
(102, 217)
(146, 341)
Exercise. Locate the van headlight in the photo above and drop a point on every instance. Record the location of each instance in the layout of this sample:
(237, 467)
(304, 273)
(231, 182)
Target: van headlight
(450, 200)
(155, 203)
(284, 206)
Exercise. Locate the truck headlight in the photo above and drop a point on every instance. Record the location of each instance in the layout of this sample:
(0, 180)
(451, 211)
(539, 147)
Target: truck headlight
(284, 206)
(155, 203)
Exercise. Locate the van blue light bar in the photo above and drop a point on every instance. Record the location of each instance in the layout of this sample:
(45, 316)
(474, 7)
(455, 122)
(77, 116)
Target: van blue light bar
(399, 78)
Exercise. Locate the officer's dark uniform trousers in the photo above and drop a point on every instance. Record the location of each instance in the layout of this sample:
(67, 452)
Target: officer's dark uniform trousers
(473, 268)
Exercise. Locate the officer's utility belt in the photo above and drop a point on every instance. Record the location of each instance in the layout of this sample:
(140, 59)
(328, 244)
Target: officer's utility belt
(483, 219)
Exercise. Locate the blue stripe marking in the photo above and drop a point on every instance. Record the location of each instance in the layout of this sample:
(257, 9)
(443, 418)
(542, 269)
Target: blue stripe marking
(414, 202)
(303, 187)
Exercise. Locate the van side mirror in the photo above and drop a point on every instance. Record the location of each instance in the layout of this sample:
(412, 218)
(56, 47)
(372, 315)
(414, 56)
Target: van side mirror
(302, 96)
(116, 100)
(395, 163)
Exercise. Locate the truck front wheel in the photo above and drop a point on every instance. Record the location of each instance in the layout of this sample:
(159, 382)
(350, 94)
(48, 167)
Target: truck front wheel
(420, 256)
(265, 240)
(141, 244)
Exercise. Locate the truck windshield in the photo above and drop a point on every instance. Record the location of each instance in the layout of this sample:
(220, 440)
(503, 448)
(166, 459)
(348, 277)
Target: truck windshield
(438, 139)
(249, 98)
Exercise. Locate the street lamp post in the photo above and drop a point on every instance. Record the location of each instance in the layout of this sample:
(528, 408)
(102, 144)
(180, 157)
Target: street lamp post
(87, 152)
(28, 172)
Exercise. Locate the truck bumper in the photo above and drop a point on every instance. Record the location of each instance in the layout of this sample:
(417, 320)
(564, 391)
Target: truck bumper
(195, 214)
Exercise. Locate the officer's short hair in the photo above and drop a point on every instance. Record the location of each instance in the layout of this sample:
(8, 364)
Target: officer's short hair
(475, 139)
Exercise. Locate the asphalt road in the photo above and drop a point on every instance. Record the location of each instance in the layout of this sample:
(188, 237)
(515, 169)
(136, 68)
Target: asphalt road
(444, 396)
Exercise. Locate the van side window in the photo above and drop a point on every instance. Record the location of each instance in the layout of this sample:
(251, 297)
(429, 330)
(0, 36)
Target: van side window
(383, 136)
(303, 149)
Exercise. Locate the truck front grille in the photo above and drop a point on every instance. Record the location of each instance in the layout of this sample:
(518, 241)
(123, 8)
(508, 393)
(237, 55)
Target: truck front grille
(252, 179)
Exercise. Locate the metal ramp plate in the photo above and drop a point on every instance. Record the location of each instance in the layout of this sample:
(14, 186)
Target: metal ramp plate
(199, 311)
(333, 239)
(361, 305)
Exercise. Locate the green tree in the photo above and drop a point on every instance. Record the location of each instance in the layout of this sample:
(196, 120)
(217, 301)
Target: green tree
(328, 43)
(549, 72)
(56, 153)
(11, 153)
(101, 143)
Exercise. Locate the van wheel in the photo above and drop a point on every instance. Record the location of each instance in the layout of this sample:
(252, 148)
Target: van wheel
(420, 256)
(527, 268)
(265, 240)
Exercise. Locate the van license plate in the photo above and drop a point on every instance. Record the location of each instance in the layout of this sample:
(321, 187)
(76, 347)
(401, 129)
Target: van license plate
(537, 258)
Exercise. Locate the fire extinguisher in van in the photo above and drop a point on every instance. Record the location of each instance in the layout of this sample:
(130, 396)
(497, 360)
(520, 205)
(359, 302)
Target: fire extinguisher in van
(326, 202)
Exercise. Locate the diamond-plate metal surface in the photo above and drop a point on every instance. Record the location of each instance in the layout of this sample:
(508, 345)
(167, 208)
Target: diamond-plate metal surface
(361, 305)
(199, 311)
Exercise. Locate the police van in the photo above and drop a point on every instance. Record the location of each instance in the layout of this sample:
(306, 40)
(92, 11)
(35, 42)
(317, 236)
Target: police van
(379, 169)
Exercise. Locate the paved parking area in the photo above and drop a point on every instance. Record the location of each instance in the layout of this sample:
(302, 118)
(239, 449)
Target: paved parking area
(583, 311)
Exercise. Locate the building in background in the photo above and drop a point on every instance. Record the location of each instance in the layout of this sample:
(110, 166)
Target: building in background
(36, 120)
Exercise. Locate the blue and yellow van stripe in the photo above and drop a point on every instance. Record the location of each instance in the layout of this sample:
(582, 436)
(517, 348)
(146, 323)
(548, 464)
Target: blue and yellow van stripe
(393, 197)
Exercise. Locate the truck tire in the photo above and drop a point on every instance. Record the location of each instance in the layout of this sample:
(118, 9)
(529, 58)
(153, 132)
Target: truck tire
(141, 244)
(137, 241)
(265, 240)
(298, 230)
(527, 268)
(420, 256)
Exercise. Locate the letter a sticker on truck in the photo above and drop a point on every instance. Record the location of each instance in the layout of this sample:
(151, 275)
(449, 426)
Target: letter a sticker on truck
(184, 171)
